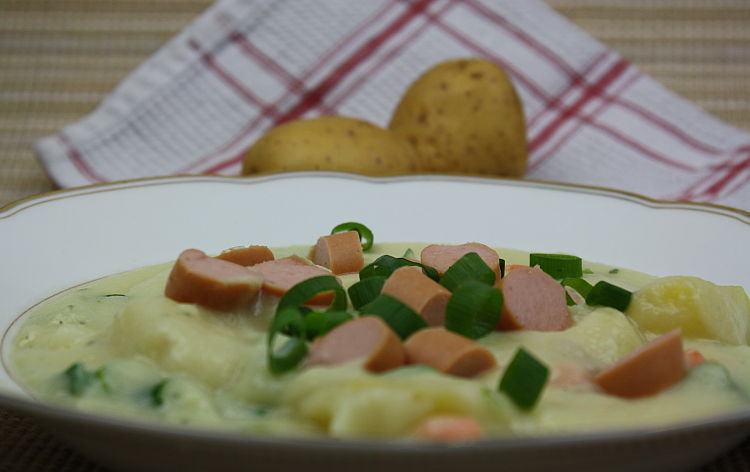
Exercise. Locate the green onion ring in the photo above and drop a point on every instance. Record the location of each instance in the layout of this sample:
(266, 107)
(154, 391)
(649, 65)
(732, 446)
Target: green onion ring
(607, 294)
(469, 267)
(365, 291)
(305, 290)
(524, 380)
(402, 319)
(385, 265)
(294, 350)
(474, 309)
(558, 266)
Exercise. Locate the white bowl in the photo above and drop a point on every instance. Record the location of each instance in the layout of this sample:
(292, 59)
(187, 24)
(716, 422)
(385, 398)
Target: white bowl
(57, 240)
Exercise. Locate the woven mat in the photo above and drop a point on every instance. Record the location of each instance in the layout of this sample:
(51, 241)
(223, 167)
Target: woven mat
(59, 58)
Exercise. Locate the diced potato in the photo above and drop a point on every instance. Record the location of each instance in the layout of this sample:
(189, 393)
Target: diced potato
(347, 401)
(180, 338)
(606, 334)
(702, 309)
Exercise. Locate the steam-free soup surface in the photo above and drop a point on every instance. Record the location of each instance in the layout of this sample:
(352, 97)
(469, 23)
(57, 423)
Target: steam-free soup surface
(143, 355)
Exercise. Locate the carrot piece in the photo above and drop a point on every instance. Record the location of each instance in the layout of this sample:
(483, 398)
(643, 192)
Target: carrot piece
(449, 428)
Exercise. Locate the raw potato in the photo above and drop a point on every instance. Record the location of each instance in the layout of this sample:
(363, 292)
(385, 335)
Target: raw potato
(330, 143)
(464, 116)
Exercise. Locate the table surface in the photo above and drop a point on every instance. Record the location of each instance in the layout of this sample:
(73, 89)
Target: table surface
(59, 58)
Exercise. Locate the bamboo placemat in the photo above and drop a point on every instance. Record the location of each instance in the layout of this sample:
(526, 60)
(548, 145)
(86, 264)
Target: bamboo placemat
(59, 58)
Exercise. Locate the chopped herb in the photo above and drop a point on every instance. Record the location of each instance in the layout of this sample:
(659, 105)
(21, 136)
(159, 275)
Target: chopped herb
(524, 380)
(365, 291)
(156, 393)
(293, 351)
(614, 271)
(474, 309)
(101, 376)
(261, 410)
(78, 379)
(385, 265)
(318, 323)
(607, 294)
(558, 266)
(409, 254)
(115, 295)
(402, 319)
(587, 271)
(469, 267)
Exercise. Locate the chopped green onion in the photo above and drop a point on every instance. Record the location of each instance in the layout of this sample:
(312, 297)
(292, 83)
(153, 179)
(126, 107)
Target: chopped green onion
(78, 379)
(294, 350)
(587, 271)
(502, 267)
(469, 267)
(365, 291)
(261, 410)
(409, 254)
(305, 290)
(365, 234)
(524, 379)
(101, 376)
(614, 271)
(385, 265)
(558, 266)
(156, 393)
(319, 323)
(607, 294)
(402, 319)
(577, 284)
(474, 309)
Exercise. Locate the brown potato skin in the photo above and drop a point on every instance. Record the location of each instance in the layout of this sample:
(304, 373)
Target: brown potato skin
(333, 143)
(464, 116)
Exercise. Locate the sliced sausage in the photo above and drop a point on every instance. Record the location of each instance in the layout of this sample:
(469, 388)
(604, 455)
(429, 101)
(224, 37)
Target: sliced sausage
(448, 352)
(442, 256)
(411, 287)
(282, 274)
(247, 256)
(367, 337)
(647, 370)
(566, 373)
(210, 282)
(532, 300)
(693, 357)
(449, 429)
(340, 252)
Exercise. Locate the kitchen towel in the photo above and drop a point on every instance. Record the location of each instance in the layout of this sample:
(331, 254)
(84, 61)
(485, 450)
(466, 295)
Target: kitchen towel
(245, 66)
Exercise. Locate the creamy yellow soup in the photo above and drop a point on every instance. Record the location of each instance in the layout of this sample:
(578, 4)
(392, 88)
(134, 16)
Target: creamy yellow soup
(147, 356)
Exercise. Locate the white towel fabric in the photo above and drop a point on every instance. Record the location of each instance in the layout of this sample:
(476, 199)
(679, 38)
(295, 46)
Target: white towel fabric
(244, 66)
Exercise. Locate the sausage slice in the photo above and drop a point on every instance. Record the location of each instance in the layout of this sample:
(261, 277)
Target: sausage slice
(367, 337)
(448, 352)
(419, 292)
(247, 256)
(340, 252)
(647, 370)
(532, 300)
(442, 256)
(210, 282)
(282, 274)
(449, 429)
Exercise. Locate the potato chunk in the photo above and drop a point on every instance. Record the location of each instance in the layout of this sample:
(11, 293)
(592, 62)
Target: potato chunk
(701, 308)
